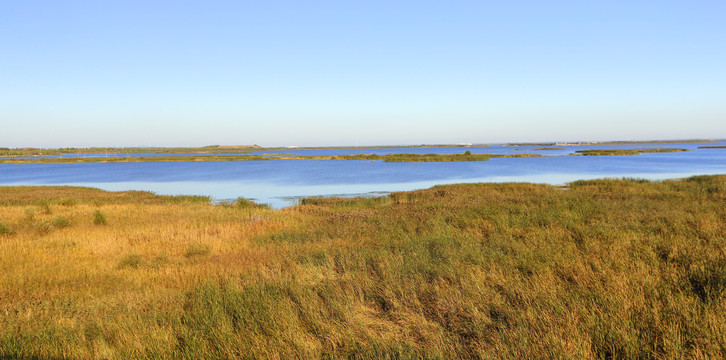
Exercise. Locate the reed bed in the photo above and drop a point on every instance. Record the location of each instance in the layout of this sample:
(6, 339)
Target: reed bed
(626, 151)
(402, 157)
(603, 269)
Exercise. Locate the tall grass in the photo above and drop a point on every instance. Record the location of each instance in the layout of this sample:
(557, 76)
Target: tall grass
(604, 269)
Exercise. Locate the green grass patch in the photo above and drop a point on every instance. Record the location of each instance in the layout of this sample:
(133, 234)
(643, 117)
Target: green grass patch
(43, 227)
(197, 250)
(60, 222)
(131, 261)
(244, 203)
(5, 229)
(99, 218)
(543, 149)
(626, 151)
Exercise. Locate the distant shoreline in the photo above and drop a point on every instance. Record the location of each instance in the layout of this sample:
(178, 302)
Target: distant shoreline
(396, 157)
(36, 151)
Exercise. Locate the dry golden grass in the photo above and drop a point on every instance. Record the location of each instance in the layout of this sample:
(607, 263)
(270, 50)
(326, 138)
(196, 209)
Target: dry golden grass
(604, 269)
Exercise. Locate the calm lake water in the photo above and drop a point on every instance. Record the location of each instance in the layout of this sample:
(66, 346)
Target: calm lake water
(283, 182)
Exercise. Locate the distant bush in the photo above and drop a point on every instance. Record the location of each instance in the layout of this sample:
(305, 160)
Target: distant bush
(243, 202)
(99, 218)
(45, 207)
(131, 261)
(43, 227)
(61, 222)
(5, 229)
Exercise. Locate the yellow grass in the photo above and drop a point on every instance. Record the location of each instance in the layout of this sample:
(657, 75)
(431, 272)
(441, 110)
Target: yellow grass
(606, 268)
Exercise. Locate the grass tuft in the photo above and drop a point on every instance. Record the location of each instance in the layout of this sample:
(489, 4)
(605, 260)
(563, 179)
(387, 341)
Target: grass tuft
(197, 250)
(29, 215)
(43, 227)
(131, 261)
(99, 218)
(45, 207)
(60, 222)
(5, 229)
(244, 203)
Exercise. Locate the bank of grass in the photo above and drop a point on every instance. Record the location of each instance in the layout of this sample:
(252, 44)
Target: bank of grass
(542, 149)
(404, 157)
(467, 156)
(112, 151)
(626, 151)
(129, 159)
(604, 269)
(211, 149)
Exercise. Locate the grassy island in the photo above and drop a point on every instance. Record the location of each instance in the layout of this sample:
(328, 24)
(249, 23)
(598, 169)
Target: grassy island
(543, 149)
(626, 151)
(210, 154)
(211, 149)
(602, 269)
(468, 156)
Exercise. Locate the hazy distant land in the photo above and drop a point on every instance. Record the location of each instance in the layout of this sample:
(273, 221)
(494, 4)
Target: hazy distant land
(242, 152)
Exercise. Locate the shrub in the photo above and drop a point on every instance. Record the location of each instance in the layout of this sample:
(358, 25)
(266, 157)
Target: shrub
(61, 222)
(5, 229)
(45, 207)
(43, 227)
(243, 202)
(99, 218)
(131, 260)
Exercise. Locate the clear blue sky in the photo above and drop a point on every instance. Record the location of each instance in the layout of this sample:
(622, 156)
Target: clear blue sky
(276, 73)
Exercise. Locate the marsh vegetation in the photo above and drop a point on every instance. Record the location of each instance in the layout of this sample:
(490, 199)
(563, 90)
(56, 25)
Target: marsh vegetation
(467, 156)
(393, 157)
(603, 269)
(543, 149)
(602, 152)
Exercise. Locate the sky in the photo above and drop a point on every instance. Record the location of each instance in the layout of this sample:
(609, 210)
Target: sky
(325, 73)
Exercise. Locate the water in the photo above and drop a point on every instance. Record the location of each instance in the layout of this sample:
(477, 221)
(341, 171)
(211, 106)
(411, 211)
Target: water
(281, 182)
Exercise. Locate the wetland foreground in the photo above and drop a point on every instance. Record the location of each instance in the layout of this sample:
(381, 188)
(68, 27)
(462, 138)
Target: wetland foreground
(602, 269)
